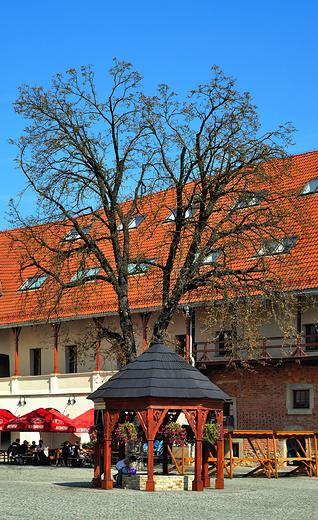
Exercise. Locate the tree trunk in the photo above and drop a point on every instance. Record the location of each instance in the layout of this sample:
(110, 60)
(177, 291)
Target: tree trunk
(127, 329)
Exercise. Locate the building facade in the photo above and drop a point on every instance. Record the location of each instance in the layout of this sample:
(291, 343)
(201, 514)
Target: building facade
(46, 362)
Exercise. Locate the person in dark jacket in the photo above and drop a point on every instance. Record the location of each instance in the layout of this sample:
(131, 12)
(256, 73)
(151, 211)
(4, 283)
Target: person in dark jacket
(13, 449)
(23, 448)
(76, 454)
(66, 452)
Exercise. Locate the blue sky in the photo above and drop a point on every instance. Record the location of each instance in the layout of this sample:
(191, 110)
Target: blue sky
(270, 47)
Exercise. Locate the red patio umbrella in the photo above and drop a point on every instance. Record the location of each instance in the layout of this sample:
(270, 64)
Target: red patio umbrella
(5, 417)
(41, 420)
(60, 415)
(83, 422)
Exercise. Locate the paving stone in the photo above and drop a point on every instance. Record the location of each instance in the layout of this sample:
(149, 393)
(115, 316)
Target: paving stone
(58, 493)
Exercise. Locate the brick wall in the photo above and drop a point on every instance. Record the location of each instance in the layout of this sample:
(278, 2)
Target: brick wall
(261, 395)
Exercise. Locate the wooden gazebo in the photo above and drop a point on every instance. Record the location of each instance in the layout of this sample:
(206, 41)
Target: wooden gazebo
(154, 385)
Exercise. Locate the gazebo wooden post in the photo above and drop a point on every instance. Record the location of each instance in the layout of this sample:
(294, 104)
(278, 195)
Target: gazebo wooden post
(197, 484)
(107, 482)
(205, 465)
(150, 484)
(97, 472)
(121, 450)
(16, 332)
(165, 458)
(219, 481)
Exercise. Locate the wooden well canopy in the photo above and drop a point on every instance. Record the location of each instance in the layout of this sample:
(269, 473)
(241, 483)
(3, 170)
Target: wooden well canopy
(155, 385)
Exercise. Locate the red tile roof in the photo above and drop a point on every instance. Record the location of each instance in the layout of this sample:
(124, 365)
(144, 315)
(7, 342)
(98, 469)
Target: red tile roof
(300, 269)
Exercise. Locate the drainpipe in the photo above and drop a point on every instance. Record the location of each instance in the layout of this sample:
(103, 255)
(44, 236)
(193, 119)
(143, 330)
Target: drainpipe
(191, 342)
(189, 328)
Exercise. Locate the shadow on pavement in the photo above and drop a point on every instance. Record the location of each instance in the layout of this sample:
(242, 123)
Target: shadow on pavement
(74, 484)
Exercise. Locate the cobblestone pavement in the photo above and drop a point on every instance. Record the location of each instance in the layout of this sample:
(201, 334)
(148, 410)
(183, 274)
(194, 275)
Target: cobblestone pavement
(52, 493)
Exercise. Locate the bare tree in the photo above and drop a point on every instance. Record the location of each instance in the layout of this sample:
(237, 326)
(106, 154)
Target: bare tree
(97, 168)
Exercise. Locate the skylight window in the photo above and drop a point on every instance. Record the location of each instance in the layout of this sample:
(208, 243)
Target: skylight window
(133, 223)
(74, 235)
(248, 199)
(311, 187)
(82, 274)
(190, 212)
(277, 246)
(140, 267)
(33, 282)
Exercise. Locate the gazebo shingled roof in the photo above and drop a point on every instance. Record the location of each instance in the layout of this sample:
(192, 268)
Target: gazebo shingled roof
(151, 385)
(159, 372)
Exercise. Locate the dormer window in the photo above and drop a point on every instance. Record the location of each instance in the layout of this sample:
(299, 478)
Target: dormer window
(311, 187)
(277, 246)
(141, 267)
(212, 257)
(133, 223)
(74, 235)
(190, 212)
(248, 199)
(33, 282)
(85, 273)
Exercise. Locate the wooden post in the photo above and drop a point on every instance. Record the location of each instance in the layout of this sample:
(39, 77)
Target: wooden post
(309, 456)
(219, 481)
(197, 484)
(316, 453)
(165, 458)
(121, 451)
(56, 328)
(107, 482)
(182, 460)
(231, 454)
(275, 455)
(97, 478)
(269, 470)
(98, 324)
(268, 460)
(205, 465)
(150, 484)
(16, 332)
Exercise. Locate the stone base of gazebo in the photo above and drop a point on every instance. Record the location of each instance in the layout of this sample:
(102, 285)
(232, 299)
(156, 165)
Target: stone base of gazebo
(162, 482)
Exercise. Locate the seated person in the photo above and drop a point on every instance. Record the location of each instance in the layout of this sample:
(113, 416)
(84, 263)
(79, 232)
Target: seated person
(82, 456)
(66, 452)
(42, 453)
(123, 468)
(23, 448)
(76, 454)
(13, 449)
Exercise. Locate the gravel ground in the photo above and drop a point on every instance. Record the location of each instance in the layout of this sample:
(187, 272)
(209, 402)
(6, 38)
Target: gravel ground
(52, 493)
